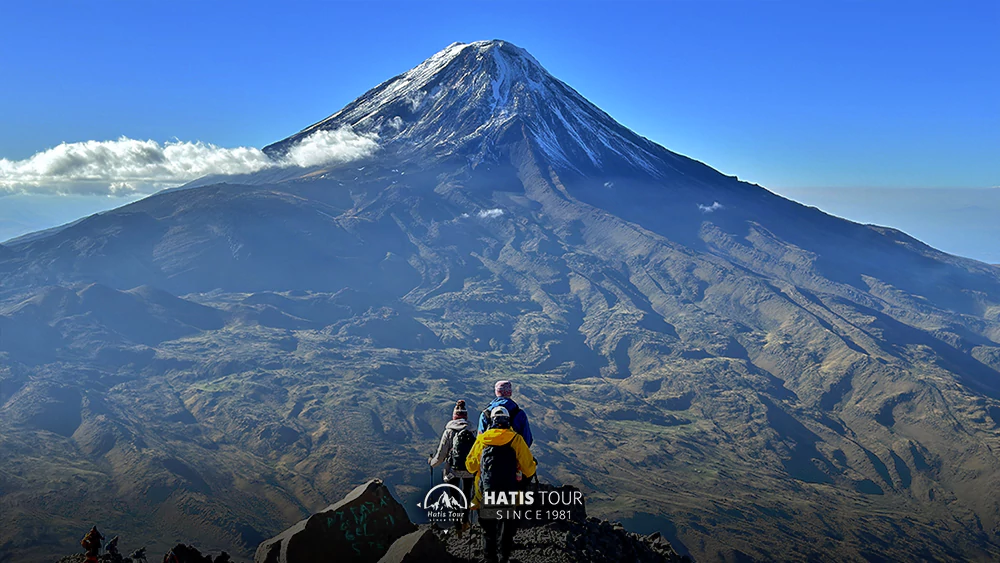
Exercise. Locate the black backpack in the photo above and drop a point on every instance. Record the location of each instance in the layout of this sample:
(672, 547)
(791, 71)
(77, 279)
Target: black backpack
(461, 444)
(498, 468)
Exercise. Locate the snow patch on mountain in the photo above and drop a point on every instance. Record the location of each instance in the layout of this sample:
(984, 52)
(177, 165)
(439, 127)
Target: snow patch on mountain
(490, 213)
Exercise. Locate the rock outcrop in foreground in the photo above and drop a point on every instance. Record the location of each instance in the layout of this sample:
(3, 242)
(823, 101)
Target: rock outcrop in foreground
(421, 545)
(369, 525)
(359, 528)
(569, 541)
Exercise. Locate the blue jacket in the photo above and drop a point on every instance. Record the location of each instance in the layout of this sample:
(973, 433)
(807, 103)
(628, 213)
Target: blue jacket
(519, 424)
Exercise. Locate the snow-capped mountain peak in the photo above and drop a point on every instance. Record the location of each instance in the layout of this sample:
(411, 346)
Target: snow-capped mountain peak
(465, 97)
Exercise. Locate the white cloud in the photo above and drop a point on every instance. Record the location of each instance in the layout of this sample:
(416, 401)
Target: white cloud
(710, 208)
(130, 166)
(330, 147)
(490, 213)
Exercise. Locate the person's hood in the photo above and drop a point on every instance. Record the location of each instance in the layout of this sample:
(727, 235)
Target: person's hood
(498, 436)
(505, 402)
(457, 424)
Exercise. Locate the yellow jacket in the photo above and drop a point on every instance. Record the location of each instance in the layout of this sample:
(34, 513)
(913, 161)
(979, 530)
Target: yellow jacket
(499, 437)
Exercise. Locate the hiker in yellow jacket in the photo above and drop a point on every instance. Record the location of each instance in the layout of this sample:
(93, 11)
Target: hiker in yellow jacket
(499, 434)
(495, 459)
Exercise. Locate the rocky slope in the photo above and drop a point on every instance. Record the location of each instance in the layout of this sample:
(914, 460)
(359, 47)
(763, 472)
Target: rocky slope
(751, 377)
(369, 524)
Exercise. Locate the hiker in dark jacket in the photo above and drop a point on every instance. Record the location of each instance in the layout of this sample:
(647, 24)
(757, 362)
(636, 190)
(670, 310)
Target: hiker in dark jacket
(456, 443)
(518, 418)
(498, 457)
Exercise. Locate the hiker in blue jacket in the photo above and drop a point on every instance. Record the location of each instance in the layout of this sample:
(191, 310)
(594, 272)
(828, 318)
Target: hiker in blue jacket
(518, 418)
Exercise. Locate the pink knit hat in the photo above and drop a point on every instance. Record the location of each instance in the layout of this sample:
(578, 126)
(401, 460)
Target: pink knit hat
(503, 388)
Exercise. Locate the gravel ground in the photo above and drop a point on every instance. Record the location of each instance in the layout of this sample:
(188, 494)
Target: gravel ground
(593, 541)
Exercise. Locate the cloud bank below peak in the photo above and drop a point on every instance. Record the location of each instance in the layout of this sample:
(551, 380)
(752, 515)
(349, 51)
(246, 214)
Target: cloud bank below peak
(126, 167)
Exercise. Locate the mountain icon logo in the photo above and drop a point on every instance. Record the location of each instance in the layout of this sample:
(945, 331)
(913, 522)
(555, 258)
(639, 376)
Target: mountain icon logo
(445, 502)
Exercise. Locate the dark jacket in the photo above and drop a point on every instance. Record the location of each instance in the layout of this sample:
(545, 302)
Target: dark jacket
(519, 423)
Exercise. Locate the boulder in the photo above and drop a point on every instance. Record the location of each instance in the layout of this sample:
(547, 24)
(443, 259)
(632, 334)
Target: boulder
(189, 554)
(360, 528)
(418, 547)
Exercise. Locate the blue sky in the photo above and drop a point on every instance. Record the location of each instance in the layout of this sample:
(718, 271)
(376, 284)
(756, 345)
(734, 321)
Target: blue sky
(789, 95)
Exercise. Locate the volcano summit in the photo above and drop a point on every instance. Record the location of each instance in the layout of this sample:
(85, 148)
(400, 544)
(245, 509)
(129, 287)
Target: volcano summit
(752, 377)
(486, 91)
